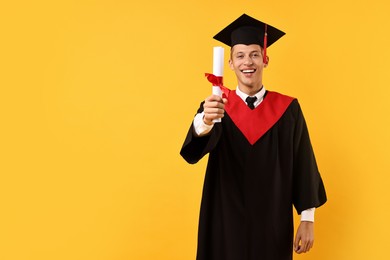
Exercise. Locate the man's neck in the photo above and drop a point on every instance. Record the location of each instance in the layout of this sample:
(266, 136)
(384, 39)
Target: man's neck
(259, 95)
(251, 91)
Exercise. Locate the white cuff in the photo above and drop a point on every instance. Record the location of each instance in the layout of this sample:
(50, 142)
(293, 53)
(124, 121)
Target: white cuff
(308, 215)
(200, 127)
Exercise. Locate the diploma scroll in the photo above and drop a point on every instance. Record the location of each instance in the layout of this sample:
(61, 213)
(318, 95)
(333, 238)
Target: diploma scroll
(218, 61)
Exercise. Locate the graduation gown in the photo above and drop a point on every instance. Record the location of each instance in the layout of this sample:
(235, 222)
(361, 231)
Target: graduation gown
(260, 164)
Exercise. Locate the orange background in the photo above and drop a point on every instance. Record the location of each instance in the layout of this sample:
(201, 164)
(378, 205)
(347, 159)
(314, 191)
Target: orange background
(96, 98)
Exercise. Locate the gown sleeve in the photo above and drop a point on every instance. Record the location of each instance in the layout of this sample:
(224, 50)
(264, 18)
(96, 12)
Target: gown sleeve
(195, 147)
(308, 187)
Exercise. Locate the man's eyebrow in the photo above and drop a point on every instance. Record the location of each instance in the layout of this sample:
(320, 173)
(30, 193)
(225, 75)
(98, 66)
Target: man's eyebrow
(249, 52)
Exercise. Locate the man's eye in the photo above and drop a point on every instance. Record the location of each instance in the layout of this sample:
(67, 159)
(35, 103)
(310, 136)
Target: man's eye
(240, 56)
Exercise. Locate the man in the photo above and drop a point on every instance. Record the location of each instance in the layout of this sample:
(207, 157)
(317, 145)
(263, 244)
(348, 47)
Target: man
(260, 160)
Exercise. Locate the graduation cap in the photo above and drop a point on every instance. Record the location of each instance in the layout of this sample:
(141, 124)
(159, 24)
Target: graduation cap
(248, 30)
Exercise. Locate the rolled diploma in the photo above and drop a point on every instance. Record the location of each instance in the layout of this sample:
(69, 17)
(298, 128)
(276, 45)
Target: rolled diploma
(218, 60)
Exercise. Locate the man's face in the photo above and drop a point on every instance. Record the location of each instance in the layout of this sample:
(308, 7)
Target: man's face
(247, 63)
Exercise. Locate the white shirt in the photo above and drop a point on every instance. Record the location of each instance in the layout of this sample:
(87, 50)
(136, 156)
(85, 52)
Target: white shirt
(201, 129)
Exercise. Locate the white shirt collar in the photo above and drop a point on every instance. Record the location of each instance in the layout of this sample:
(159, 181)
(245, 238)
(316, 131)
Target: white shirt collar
(259, 95)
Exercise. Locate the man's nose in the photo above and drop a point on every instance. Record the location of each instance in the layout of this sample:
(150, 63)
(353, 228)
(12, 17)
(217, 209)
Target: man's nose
(248, 61)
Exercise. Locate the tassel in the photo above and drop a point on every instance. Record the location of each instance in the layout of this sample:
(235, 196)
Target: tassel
(265, 45)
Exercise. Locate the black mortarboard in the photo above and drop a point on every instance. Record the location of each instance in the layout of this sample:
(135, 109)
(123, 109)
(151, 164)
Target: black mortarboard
(247, 30)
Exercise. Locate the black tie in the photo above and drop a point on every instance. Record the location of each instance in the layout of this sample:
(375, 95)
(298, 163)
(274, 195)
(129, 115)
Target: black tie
(250, 101)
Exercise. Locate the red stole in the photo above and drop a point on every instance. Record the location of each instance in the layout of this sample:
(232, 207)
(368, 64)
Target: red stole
(255, 123)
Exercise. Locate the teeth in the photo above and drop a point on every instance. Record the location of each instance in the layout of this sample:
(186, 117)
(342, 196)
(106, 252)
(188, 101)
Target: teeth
(248, 71)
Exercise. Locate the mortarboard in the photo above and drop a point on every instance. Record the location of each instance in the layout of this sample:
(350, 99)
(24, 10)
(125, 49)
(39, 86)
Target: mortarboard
(248, 30)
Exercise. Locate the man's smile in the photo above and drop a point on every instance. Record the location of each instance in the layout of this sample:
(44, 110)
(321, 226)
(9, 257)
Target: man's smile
(248, 71)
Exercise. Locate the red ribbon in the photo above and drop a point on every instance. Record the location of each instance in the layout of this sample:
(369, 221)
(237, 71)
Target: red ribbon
(218, 82)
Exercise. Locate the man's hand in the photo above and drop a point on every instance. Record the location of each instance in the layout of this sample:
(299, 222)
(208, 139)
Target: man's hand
(213, 108)
(304, 238)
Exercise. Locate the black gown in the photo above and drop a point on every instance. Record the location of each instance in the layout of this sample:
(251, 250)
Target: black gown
(251, 183)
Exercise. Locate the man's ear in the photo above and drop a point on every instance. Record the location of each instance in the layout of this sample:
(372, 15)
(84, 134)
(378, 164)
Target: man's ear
(231, 64)
(266, 61)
